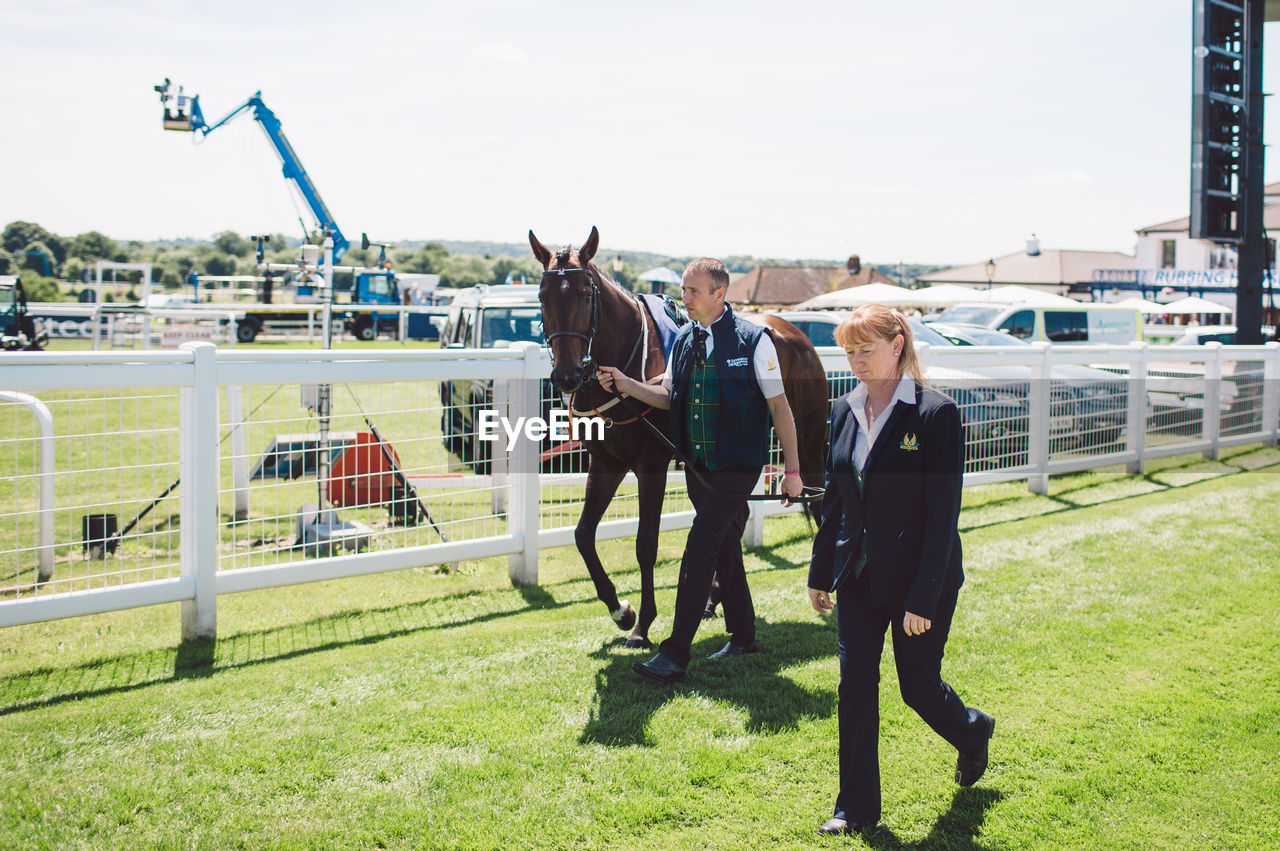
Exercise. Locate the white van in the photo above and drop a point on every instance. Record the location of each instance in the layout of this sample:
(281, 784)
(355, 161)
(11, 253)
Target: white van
(1086, 323)
(486, 317)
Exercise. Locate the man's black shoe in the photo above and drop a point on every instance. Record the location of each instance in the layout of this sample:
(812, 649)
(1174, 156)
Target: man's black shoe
(972, 765)
(835, 826)
(659, 668)
(732, 649)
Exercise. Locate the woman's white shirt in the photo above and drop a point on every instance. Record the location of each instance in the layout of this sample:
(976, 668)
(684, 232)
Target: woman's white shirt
(868, 433)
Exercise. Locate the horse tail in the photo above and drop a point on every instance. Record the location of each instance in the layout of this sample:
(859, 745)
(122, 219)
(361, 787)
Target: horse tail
(811, 415)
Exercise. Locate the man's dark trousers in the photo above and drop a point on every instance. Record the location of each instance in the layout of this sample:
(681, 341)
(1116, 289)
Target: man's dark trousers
(714, 548)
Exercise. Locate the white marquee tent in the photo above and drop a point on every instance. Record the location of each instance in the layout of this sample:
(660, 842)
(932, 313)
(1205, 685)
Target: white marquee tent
(886, 294)
(1194, 304)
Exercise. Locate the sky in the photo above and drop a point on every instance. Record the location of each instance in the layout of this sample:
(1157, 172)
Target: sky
(924, 132)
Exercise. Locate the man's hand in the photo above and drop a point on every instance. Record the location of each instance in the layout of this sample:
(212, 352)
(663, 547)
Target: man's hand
(915, 625)
(615, 380)
(791, 487)
(610, 377)
(821, 601)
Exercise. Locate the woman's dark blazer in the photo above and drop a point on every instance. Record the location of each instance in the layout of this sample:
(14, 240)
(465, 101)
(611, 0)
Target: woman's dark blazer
(907, 513)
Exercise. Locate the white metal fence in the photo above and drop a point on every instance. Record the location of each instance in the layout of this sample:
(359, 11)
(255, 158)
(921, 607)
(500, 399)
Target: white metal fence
(137, 478)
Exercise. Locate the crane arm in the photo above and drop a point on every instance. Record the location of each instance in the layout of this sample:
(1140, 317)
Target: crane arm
(291, 165)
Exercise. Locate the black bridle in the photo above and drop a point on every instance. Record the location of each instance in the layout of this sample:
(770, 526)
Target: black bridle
(588, 360)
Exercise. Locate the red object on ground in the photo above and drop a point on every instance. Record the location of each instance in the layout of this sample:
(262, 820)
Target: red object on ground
(361, 475)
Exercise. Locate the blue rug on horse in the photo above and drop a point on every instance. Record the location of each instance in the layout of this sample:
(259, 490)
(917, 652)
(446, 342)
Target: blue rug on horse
(667, 315)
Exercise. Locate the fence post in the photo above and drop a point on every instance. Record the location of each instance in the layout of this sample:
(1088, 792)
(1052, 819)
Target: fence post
(522, 501)
(198, 514)
(922, 355)
(239, 450)
(1136, 415)
(1038, 423)
(48, 468)
(1270, 397)
(500, 462)
(1212, 398)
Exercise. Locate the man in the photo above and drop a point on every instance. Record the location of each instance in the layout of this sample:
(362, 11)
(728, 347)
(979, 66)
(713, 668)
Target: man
(722, 385)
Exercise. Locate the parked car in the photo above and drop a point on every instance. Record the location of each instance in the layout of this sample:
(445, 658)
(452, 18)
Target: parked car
(1190, 335)
(992, 401)
(1096, 400)
(485, 317)
(1181, 390)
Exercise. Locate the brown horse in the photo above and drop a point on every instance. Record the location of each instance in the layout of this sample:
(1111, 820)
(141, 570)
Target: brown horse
(588, 319)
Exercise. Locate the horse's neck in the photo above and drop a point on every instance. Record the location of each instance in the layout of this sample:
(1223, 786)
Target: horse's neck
(623, 345)
(618, 323)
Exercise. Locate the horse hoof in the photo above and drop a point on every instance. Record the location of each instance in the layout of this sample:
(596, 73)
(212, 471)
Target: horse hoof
(625, 616)
(638, 642)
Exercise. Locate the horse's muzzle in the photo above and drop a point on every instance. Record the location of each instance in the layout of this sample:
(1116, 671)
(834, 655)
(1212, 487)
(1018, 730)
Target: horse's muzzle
(567, 379)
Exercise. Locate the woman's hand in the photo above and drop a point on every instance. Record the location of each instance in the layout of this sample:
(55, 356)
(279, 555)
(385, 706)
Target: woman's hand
(915, 625)
(821, 601)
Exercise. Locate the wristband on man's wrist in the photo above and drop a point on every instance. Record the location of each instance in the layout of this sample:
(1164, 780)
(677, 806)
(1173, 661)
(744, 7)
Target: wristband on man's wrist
(791, 473)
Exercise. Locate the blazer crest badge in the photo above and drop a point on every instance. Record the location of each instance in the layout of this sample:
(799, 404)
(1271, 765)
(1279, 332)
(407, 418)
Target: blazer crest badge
(910, 443)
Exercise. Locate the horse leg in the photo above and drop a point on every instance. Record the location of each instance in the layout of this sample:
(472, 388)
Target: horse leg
(652, 487)
(713, 599)
(602, 484)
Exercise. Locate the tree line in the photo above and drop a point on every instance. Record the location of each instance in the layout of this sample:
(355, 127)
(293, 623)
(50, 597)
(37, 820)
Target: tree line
(44, 258)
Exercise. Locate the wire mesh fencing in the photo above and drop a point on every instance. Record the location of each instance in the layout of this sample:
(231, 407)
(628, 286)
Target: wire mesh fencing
(78, 500)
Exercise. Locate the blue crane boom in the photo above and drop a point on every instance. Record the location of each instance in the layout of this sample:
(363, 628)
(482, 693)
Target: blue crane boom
(183, 113)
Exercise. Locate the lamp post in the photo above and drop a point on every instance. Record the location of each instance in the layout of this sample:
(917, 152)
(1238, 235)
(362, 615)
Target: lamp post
(991, 271)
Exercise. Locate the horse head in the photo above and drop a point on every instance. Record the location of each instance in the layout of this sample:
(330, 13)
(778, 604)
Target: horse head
(570, 296)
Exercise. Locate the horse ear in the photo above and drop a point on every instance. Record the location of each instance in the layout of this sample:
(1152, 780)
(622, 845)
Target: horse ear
(539, 250)
(588, 249)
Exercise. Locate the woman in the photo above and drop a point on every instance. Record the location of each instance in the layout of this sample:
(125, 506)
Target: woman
(889, 544)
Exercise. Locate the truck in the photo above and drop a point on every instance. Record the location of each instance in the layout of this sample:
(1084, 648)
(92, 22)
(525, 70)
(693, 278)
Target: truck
(379, 285)
(495, 317)
(354, 308)
(18, 330)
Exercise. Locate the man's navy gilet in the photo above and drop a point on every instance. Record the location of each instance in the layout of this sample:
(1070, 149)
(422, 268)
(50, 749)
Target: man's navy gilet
(742, 435)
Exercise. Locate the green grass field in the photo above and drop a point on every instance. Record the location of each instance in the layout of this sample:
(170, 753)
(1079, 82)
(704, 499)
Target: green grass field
(1124, 630)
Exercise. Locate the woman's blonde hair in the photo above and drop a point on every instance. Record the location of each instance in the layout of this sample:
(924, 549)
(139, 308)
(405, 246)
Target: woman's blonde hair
(873, 322)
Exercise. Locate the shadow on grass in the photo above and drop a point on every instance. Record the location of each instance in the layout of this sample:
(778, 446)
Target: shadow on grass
(956, 830)
(194, 658)
(47, 686)
(1158, 479)
(625, 701)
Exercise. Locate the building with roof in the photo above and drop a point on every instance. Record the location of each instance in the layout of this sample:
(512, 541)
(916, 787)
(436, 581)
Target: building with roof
(1168, 245)
(1055, 270)
(785, 286)
(1170, 265)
